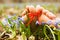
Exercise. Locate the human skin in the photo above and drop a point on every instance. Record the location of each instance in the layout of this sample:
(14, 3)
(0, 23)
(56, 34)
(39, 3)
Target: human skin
(41, 14)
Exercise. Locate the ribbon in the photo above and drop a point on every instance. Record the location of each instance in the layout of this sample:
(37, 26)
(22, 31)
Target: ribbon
(32, 17)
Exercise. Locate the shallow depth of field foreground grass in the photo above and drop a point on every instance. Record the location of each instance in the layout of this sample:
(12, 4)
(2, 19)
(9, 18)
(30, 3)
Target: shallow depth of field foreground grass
(17, 30)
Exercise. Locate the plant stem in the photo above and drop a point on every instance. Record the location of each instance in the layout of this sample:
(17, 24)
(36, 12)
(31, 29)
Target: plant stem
(45, 33)
(13, 34)
(51, 32)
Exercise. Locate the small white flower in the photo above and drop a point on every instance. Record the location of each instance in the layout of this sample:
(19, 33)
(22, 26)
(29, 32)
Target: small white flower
(37, 22)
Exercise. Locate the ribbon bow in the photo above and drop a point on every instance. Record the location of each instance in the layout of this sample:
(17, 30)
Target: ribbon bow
(32, 17)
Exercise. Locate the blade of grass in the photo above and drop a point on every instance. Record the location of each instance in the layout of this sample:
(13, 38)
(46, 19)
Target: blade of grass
(51, 32)
(44, 29)
(2, 24)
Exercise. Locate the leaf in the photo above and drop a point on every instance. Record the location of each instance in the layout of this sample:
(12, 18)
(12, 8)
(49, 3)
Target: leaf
(27, 31)
(22, 27)
(59, 36)
(14, 27)
(52, 32)
(2, 24)
(45, 33)
(9, 21)
(57, 32)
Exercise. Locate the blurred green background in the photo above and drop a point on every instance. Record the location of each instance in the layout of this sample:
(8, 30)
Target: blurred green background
(20, 1)
(51, 5)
